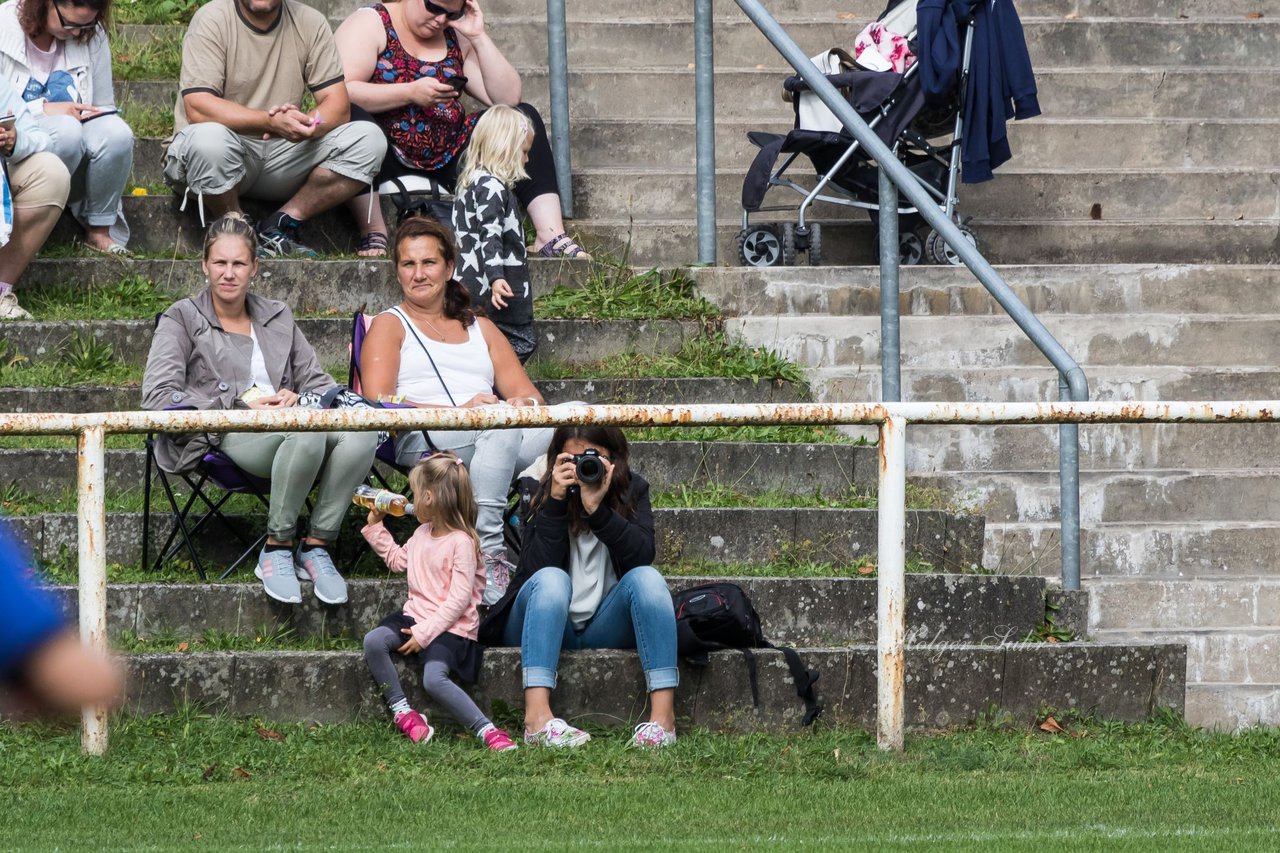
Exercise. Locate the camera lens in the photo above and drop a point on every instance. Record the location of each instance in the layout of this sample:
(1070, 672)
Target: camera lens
(590, 469)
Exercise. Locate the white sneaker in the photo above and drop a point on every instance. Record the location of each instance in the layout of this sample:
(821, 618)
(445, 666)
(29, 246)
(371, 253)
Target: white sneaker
(10, 309)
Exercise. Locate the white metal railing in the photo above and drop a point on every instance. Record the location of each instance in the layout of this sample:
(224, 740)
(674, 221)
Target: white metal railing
(892, 419)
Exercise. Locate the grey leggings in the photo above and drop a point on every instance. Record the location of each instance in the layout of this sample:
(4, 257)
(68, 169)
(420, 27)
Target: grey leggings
(336, 462)
(378, 646)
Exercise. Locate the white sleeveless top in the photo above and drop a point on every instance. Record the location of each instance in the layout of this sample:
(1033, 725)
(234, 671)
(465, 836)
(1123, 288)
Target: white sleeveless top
(466, 368)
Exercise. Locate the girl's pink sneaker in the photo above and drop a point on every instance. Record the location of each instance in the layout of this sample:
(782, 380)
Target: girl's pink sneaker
(415, 726)
(498, 740)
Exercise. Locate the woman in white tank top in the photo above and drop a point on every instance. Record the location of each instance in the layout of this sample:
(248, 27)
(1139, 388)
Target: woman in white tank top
(432, 350)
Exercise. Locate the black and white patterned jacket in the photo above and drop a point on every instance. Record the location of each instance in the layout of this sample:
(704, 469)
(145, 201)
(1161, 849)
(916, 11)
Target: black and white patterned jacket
(486, 220)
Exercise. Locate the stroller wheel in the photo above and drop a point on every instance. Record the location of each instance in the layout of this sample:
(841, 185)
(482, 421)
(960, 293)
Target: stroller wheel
(788, 244)
(760, 246)
(940, 253)
(815, 245)
(910, 249)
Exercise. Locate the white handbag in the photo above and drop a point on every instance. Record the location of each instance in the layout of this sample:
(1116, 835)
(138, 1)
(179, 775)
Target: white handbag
(813, 114)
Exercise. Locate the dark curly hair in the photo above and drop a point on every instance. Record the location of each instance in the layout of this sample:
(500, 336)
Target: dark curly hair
(457, 300)
(612, 439)
(33, 15)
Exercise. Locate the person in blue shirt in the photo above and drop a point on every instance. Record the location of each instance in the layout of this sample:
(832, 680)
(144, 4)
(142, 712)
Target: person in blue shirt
(40, 651)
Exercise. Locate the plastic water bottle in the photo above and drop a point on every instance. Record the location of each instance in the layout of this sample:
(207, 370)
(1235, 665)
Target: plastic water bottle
(382, 500)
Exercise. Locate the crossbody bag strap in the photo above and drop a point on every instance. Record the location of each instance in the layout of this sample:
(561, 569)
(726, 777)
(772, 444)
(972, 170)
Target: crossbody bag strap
(409, 324)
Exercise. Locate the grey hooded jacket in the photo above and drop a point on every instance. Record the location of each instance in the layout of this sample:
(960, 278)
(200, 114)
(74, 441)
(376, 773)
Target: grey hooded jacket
(195, 363)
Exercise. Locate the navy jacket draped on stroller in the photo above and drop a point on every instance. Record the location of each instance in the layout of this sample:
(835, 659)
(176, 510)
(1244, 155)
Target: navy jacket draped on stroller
(944, 116)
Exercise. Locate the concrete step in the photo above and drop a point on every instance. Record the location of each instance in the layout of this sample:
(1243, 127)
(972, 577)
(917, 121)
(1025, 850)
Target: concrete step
(1077, 143)
(98, 398)
(1102, 446)
(1165, 606)
(722, 535)
(982, 609)
(1040, 384)
(1137, 497)
(309, 287)
(160, 228)
(646, 40)
(1231, 707)
(1233, 656)
(802, 469)
(851, 240)
(561, 341)
(1241, 341)
(1178, 550)
(1016, 194)
(747, 93)
(1098, 289)
(945, 686)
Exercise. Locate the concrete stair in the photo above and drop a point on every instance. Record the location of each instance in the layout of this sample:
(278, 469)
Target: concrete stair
(959, 658)
(1130, 130)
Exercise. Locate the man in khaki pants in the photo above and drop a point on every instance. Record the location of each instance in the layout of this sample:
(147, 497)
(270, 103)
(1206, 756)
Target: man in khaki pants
(240, 132)
(38, 185)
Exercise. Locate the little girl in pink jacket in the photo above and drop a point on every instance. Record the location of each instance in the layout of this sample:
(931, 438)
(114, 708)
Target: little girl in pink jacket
(437, 626)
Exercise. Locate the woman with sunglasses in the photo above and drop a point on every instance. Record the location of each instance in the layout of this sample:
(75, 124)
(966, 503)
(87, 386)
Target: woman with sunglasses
(55, 53)
(399, 58)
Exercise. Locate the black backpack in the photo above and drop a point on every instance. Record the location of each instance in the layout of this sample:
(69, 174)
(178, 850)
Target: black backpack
(714, 616)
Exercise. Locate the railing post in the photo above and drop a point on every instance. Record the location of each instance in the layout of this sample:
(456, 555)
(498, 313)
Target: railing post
(890, 327)
(92, 538)
(891, 585)
(705, 123)
(558, 83)
(1069, 490)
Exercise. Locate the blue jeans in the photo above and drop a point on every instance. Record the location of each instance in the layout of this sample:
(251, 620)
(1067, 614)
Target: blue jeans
(636, 614)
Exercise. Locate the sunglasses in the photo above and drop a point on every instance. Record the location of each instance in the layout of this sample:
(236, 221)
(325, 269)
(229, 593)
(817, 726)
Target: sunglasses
(451, 15)
(70, 25)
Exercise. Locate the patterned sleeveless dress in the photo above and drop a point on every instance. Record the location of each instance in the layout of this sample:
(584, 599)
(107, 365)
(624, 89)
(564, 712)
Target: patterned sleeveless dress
(423, 138)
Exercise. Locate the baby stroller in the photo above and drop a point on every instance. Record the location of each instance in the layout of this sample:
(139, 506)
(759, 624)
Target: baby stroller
(926, 138)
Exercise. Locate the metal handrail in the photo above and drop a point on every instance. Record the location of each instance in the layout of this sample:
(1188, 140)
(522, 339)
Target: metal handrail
(893, 420)
(1072, 384)
(558, 91)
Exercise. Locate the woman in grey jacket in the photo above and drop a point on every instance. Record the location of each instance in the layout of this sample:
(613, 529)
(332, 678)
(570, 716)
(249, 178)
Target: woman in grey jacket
(226, 348)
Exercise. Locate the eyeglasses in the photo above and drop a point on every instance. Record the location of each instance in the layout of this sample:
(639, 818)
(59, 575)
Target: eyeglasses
(68, 25)
(450, 14)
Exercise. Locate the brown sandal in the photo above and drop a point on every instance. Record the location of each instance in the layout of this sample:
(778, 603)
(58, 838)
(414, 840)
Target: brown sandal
(374, 241)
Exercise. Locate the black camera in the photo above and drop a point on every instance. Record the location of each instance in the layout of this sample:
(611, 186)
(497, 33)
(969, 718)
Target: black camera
(588, 466)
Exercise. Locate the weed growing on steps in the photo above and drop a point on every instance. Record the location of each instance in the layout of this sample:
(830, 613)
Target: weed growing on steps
(265, 637)
(148, 120)
(614, 291)
(709, 355)
(81, 360)
(131, 297)
(156, 57)
(155, 11)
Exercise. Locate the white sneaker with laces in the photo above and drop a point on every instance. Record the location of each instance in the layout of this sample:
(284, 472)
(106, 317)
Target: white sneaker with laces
(10, 309)
(652, 735)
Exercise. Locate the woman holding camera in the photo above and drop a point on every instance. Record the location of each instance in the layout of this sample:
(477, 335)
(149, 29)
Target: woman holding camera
(586, 582)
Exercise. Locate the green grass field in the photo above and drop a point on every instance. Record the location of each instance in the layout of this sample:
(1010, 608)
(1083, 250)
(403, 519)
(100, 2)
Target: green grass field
(195, 782)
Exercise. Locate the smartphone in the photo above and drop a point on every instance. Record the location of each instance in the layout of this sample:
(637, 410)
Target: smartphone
(110, 112)
(457, 81)
(8, 122)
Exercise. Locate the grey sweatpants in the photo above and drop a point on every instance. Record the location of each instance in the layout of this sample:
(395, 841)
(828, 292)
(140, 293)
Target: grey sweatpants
(335, 462)
(378, 646)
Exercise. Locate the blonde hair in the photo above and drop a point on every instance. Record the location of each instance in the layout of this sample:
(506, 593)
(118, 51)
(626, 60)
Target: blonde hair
(232, 224)
(453, 506)
(496, 147)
